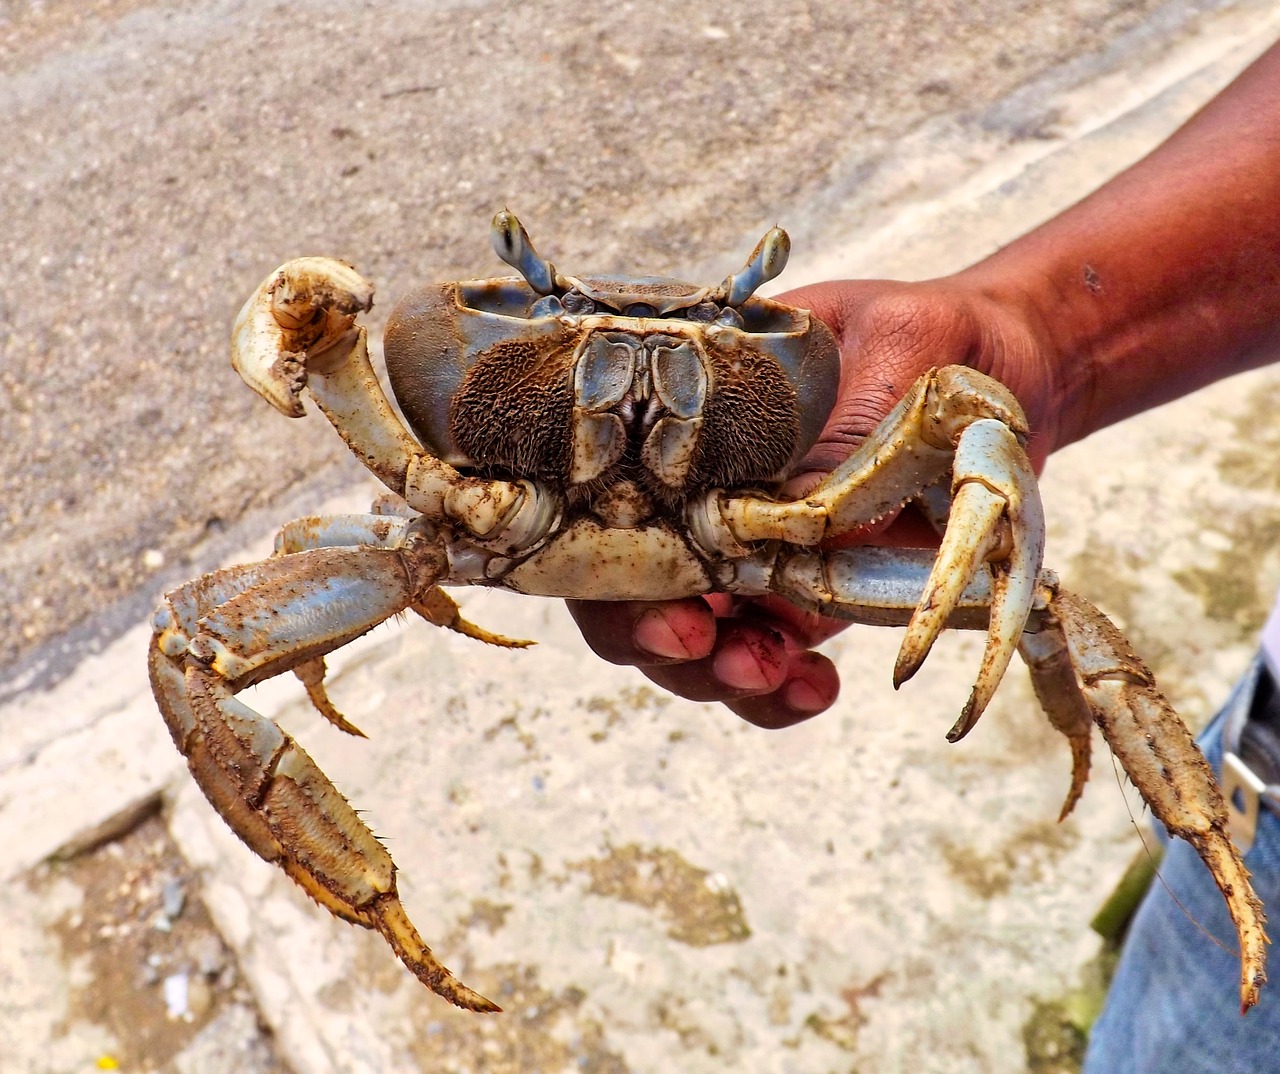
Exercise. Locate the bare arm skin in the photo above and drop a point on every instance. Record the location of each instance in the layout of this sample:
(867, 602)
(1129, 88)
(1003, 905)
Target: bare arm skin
(1164, 280)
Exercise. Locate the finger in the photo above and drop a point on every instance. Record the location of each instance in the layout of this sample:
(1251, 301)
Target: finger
(811, 686)
(643, 633)
(748, 658)
(802, 629)
(907, 528)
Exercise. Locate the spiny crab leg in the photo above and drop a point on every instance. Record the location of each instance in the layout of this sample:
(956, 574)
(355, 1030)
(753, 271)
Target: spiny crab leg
(1083, 670)
(230, 629)
(1058, 690)
(383, 530)
(1162, 759)
(371, 531)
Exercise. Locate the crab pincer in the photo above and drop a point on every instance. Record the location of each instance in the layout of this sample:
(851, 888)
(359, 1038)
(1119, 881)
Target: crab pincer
(299, 316)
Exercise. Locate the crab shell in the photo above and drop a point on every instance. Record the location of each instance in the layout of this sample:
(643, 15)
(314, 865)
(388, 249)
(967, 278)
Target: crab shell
(650, 380)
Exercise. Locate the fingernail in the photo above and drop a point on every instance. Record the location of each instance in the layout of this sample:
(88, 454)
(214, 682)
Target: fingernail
(800, 696)
(737, 666)
(654, 635)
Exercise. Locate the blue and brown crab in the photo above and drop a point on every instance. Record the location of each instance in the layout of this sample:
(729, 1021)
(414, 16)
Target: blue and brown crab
(617, 438)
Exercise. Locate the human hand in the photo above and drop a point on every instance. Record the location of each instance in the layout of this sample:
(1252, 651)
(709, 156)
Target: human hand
(756, 654)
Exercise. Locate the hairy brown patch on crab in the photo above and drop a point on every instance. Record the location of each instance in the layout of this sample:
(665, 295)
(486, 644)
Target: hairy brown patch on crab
(514, 410)
(750, 427)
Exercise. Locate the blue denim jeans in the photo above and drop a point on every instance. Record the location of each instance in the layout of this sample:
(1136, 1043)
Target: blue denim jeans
(1174, 1004)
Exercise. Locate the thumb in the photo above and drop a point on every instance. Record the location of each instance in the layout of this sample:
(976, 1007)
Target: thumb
(888, 333)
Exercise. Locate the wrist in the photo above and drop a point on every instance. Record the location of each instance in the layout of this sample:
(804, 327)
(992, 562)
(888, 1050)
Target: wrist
(1028, 339)
(1165, 279)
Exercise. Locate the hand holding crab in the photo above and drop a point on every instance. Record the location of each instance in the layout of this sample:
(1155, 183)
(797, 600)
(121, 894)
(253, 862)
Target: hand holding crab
(624, 439)
(756, 655)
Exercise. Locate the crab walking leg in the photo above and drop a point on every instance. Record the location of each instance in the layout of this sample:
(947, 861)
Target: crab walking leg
(298, 330)
(874, 586)
(952, 418)
(383, 531)
(1082, 668)
(329, 531)
(996, 514)
(1058, 691)
(1159, 755)
(341, 531)
(237, 627)
(882, 586)
(175, 625)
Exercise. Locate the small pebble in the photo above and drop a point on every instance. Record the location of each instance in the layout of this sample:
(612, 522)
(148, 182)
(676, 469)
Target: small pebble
(177, 991)
(174, 899)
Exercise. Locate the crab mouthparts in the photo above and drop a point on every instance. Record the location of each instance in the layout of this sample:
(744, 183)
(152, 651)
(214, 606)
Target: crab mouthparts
(632, 387)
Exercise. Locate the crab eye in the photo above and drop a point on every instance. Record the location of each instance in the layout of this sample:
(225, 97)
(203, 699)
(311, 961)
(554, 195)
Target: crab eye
(705, 312)
(731, 317)
(639, 309)
(577, 302)
(547, 306)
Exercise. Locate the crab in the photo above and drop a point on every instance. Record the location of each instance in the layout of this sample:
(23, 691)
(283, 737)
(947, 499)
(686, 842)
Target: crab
(615, 438)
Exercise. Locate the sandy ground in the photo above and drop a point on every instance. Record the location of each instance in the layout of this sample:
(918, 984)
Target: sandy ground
(645, 884)
(161, 158)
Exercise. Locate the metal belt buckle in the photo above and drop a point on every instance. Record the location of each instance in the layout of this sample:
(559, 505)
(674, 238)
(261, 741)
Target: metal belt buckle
(1243, 790)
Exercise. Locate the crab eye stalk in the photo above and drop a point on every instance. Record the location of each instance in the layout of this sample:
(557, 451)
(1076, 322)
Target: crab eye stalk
(511, 243)
(767, 260)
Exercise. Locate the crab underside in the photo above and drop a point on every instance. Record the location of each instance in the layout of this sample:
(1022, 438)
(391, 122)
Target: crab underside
(617, 438)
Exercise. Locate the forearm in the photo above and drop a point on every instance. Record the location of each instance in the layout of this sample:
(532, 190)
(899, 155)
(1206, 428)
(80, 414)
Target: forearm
(1168, 277)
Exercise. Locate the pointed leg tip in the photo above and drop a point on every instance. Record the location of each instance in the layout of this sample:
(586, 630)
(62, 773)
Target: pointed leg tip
(1251, 981)
(484, 1006)
(1079, 775)
(449, 988)
(968, 718)
(388, 916)
(910, 660)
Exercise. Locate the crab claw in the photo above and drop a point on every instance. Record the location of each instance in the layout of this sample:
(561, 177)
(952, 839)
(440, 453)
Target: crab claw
(301, 317)
(995, 516)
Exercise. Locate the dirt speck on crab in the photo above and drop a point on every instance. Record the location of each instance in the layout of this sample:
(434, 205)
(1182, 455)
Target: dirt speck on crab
(610, 438)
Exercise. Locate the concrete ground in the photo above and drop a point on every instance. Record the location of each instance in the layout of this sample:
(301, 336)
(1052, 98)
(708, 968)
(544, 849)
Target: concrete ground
(644, 884)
